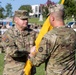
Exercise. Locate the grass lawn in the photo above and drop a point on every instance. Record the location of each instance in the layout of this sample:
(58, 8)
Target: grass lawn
(36, 21)
(1, 63)
(40, 70)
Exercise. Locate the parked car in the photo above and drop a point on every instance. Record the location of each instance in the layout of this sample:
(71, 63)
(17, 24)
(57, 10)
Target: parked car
(71, 24)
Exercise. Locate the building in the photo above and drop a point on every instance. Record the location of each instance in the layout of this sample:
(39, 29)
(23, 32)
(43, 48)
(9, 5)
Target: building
(35, 11)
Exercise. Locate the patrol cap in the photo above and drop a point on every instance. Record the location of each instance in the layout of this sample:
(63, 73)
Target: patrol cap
(22, 14)
(55, 8)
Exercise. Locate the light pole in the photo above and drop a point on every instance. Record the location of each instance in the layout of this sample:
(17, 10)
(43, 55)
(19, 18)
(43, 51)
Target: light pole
(41, 16)
(73, 18)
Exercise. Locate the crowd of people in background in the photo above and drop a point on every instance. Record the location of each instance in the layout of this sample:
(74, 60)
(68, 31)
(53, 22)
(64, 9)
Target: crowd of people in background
(6, 25)
(3, 28)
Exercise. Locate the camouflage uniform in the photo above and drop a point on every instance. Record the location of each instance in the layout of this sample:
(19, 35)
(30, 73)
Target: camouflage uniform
(17, 47)
(57, 49)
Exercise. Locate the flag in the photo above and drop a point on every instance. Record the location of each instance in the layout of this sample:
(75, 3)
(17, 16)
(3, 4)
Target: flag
(45, 28)
(62, 1)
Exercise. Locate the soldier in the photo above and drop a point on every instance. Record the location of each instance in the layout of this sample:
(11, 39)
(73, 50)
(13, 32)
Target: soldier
(17, 42)
(57, 47)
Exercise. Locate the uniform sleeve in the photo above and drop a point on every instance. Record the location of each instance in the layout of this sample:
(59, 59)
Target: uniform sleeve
(10, 46)
(43, 52)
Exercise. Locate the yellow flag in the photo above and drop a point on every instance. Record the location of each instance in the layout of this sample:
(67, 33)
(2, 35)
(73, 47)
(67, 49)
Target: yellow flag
(62, 2)
(28, 66)
(45, 28)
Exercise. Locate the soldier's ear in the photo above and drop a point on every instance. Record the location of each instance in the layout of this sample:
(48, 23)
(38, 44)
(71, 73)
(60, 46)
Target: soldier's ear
(15, 19)
(51, 18)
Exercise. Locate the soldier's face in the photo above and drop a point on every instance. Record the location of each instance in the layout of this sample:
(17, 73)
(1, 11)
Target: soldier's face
(21, 23)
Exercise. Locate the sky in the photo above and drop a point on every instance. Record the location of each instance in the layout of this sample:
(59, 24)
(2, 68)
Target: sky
(17, 3)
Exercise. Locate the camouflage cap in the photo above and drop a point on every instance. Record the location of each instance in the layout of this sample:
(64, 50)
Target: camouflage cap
(22, 14)
(55, 8)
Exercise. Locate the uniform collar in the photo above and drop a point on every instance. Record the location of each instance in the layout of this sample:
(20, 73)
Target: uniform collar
(18, 32)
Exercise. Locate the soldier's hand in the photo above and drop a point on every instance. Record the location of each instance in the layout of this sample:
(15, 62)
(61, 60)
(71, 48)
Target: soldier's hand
(32, 51)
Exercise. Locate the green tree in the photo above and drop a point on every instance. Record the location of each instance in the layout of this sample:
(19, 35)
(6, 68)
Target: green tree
(44, 7)
(70, 8)
(8, 10)
(1, 12)
(59, 1)
(45, 11)
(26, 7)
